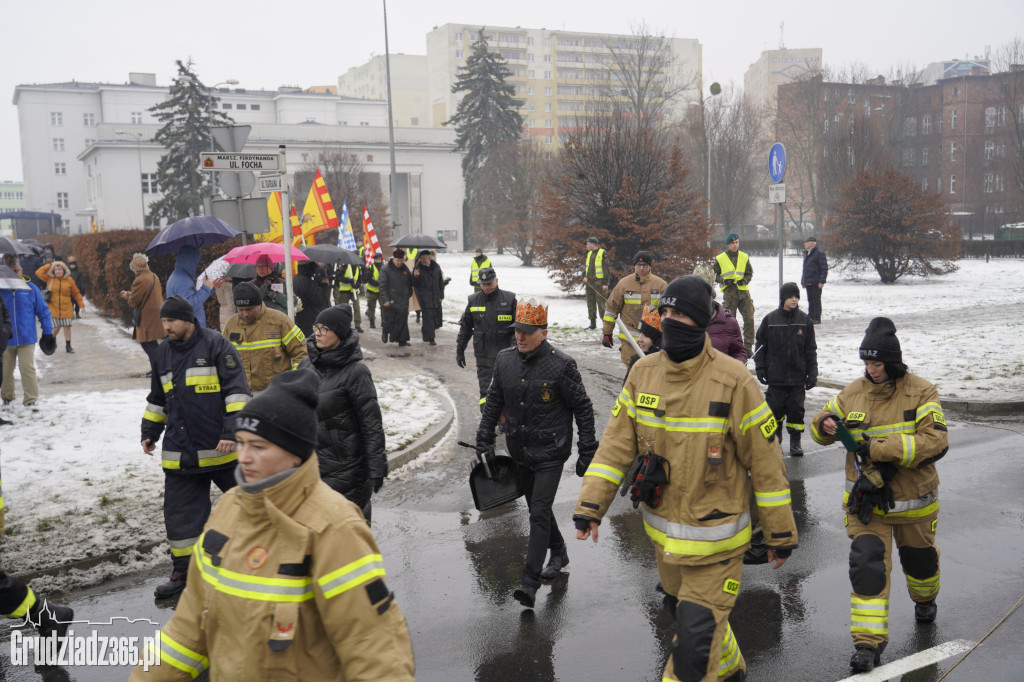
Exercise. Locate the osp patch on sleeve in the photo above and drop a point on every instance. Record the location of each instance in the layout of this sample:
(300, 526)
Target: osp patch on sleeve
(616, 409)
(938, 417)
(731, 586)
(769, 427)
(648, 400)
(856, 417)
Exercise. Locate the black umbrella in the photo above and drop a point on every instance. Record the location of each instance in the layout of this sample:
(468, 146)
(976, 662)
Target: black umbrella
(11, 245)
(241, 271)
(9, 279)
(419, 241)
(193, 231)
(328, 253)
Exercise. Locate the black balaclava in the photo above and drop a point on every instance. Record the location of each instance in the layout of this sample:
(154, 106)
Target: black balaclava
(692, 296)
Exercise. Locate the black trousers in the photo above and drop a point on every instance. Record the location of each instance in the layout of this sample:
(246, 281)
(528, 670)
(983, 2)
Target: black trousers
(540, 487)
(187, 508)
(14, 597)
(484, 372)
(431, 321)
(814, 303)
(396, 322)
(787, 404)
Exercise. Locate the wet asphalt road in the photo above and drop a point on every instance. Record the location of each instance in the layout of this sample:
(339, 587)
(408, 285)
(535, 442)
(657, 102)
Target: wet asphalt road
(453, 569)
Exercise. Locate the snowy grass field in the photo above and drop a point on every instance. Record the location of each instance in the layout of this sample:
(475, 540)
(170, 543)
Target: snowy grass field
(961, 331)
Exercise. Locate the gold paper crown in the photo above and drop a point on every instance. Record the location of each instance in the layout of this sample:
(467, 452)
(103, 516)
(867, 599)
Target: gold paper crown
(532, 312)
(651, 317)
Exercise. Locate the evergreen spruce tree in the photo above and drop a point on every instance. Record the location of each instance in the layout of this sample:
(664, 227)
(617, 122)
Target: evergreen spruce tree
(488, 114)
(187, 115)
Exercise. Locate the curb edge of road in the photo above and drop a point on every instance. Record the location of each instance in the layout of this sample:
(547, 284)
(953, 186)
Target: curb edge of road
(429, 438)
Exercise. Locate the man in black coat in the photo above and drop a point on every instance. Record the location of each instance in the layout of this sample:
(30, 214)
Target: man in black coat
(813, 278)
(428, 281)
(395, 290)
(350, 431)
(313, 287)
(488, 320)
(541, 391)
(787, 361)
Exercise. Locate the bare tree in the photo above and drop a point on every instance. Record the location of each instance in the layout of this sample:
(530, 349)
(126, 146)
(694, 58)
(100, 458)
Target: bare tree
(347, 180)
(1009, 63)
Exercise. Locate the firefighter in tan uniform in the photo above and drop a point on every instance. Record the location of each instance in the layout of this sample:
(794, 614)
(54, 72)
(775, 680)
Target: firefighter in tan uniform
(891, 486)
(286, 581)
(627, 301)
(688, 426)
(267, 340)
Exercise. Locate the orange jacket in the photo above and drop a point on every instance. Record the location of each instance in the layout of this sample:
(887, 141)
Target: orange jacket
(62, 290)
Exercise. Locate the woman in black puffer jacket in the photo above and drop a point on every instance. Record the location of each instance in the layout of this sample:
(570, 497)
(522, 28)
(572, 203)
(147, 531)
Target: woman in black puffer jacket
(350, 433)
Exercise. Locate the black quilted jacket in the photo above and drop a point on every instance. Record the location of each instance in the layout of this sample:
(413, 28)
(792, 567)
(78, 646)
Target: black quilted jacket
(349, 432)
(540, 395)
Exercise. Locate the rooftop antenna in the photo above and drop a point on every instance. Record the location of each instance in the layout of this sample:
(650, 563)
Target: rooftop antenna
(782, 43)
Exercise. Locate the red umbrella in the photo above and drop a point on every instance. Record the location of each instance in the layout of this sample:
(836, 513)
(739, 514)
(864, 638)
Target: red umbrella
(251, 252)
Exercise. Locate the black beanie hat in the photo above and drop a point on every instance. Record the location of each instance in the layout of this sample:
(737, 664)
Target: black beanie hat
(338, 319)
(177, 308)
(650, 332)
(643, 257)
(246, 294)
(880, 343)
(692, 296)
(285, 413)
(786, 290)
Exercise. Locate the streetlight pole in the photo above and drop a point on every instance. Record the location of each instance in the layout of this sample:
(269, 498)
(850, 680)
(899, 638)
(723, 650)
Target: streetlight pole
(715, 89)
(209, 125)
(142, 192)
(391, 117)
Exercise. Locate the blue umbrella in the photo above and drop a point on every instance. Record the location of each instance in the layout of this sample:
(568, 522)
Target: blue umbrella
(192, 231)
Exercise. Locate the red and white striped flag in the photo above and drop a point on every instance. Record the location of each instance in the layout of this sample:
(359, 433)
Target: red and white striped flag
(371, 237)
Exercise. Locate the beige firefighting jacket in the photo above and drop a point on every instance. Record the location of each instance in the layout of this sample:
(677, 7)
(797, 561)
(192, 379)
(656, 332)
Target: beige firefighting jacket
(708, 418)
(906, 425)
(268, 346)
(628, 299)
(285, 584)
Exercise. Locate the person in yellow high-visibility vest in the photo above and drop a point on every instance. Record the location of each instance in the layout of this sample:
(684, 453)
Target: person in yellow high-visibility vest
(347, 290)
(595, 280)
(373, 289)
(479, 262)
(733, 273)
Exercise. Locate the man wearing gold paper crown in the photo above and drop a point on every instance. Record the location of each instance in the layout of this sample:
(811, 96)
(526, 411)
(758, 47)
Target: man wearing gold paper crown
(628, 299)
(540, 390)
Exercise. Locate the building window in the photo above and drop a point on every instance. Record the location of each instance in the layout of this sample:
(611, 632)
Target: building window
(548, 156)
(66, 224)
(89, 120)
(459, 54)
(826, 123)
(89, 142)
(924, 185)
(908, 157)
(850, 124)
(58, 144)
(547, 123)
(952, 152)
(849, 156)
(60, 169)
(62, 200)
(56, 118)
(851, 97)
(1001, 119)
(529, 40)
(531, 73)
(547, 75)
(362, 123)
(987, 189)
(531, 106)
(548, 139)
(547, 106)
(149, 183)
(956, 91)
(136, 117)
(369, 158)
(227, 105)
(529, 56)
(910, 126)
(990, 148)
(415, 120)
(926, 124)
(990, 117)
(531, 90)
(255, 107)
(240, 107)
(954, 120)
(952, 184)
(547, 92)
(867, 108)
(547, 58)
(924, 156)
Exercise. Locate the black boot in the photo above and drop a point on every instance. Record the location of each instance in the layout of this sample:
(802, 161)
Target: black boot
(49, 618)
(174, 586)
(593, 324)
(359, 329)
(372, 325)
(866, 657)
(526, 595)
(925, 611)
(794, 444)
(555, 565)
(68, 348)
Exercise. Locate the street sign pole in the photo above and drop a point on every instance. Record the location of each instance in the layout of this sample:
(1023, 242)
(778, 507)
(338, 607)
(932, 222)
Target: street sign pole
(286, 239)
(777, 171)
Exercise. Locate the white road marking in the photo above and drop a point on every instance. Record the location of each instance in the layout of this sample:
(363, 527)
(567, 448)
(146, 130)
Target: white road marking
(913, 662)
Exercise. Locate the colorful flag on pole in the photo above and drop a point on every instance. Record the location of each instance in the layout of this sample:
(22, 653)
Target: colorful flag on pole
(94, 229)
(318, 214)
(346, 239)
(274, 214)
(371, 237)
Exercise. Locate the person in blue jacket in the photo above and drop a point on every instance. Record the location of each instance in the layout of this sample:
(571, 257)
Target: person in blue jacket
(24, 307)
(182, 282)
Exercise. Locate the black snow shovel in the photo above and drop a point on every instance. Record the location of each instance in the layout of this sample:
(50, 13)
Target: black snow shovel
(493, 479)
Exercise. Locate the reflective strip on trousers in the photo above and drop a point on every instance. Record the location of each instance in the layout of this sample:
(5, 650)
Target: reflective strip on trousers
(253, 587)
(869, 616)
(678, 538)
(795, 427)
(181, 657)
(609, 318)
(352, 575)
(922, 506)
(606, 472)
(27, 603)
(730, 656)
(182, 547)
(927, 588)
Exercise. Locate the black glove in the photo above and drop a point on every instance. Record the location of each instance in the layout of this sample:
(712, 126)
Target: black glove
(761, 377)
(581, 465)
(810, 383)
(863, 451)
(460, 360)
(865, 496)
(606, 341)
(583, 522)
(783, 552)
(377, 484)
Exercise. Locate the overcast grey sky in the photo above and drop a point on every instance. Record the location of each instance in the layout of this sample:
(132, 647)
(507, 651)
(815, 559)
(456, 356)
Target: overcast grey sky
(266, 44)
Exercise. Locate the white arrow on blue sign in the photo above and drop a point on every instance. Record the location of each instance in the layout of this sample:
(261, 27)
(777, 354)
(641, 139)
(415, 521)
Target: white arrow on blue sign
(777, 162)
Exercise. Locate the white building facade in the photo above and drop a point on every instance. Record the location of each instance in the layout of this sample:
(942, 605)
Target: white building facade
(88, 150)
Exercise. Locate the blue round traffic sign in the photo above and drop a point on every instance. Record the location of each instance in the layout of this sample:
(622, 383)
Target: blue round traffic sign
(777, 162)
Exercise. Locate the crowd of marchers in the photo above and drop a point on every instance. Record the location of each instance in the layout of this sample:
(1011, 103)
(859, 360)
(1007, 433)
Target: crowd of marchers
(285, 575)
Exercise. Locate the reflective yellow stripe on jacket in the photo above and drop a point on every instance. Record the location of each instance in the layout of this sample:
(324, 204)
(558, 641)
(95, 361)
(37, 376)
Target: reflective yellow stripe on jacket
(207, 458)
(251, 586)
(352, 575)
